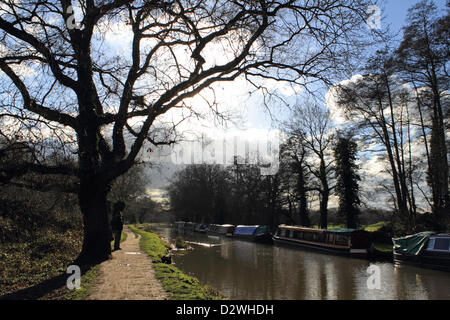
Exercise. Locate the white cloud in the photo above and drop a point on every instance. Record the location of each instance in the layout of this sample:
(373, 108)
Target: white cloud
(336, 113)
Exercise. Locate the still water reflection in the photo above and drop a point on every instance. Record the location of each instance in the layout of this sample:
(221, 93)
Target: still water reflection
(247, 270)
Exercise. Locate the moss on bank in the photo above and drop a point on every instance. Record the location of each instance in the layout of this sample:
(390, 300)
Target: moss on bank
(177, 284)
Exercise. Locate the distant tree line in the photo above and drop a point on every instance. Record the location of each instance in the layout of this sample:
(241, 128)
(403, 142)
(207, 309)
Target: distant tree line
(240, 194)
(218, 194)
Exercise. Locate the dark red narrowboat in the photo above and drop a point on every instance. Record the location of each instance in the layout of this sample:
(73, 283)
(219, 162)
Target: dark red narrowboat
(352, 242)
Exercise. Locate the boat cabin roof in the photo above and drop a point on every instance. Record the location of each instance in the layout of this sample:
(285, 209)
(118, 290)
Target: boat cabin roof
(300, 228)
(335, 230)
(220, 225)
(244, 226)
(246, 230)
(441, 235)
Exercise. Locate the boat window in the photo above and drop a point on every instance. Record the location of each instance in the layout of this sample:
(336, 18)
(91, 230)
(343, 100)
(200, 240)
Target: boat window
(308, 236)
(298, 235)
(431, 244)
(330, 238)
(321, 237)
(291, 233)
(442, 244)
(341, 240)
(283, 232)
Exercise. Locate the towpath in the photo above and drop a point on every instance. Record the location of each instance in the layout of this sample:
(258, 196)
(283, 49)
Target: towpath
(129, 275)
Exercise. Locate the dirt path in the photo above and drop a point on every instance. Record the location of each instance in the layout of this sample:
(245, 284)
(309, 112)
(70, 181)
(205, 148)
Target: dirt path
(129, 275)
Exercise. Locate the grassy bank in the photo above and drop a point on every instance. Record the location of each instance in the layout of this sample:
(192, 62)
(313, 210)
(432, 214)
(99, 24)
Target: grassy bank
(88, 280)
(37, 269)
(370, 227)
(177, 284)
(26, 264)
(383, 247)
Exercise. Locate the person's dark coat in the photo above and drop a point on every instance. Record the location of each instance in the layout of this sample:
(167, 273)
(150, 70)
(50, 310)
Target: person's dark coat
(116, 222)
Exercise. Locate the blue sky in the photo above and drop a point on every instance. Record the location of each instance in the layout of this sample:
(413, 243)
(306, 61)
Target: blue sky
(396, 10)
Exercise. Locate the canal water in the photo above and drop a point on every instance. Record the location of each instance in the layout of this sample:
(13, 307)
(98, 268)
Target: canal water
(247, 270)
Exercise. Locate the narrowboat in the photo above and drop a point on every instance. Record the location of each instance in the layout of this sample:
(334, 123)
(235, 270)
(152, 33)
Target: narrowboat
(221, 229)
(179, 226)
(254, 233)
(425, 249)
(352, 242)
(189, 227)
(184, 227)
(200, 228)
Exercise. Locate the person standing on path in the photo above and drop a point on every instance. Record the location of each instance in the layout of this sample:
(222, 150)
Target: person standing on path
(117, 223)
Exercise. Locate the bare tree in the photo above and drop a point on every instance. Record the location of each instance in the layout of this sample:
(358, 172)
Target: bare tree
(61, 78)
(379, 105)
(311, 124)
(296, 177)
(200, 193)
(423, 59)
(130, 185)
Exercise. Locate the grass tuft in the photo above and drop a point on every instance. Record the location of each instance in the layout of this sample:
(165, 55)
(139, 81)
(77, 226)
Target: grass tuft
(88, 280)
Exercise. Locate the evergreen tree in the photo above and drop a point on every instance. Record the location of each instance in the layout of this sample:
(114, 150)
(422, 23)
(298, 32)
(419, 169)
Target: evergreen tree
(347, 188)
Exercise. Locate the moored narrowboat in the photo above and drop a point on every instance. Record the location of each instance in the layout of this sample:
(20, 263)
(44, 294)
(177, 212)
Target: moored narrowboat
(179, 226)
(221, 229)
(425, 249)
(189, 227)
(256, 233)
(184, 226)
(352, 242)
(200, 228)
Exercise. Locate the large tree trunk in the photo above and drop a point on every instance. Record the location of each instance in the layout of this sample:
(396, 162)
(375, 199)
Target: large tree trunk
(94, 186)
(324, 209)
(97, 232)
(303, 201)
(385, 136)
(438, 172)
(325, 194)
(352, 214)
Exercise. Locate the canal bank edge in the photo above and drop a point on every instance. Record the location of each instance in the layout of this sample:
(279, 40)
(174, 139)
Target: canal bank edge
(177, 284)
